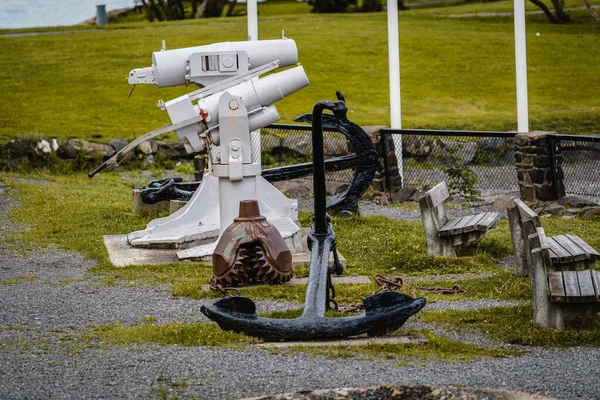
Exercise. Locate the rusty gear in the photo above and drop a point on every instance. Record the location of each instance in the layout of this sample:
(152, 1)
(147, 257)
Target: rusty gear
(251, 250)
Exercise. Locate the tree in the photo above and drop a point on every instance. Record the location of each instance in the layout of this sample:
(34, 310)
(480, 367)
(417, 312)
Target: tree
(330, 6)
(593, 12)
(559, 16)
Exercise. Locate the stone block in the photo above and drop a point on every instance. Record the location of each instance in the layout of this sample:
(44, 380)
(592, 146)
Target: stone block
(378, 185)
(175, 205)
(138, 206)
(518, 157)
(544, 193)
(527, 193)
(538, 176)
(542, 161)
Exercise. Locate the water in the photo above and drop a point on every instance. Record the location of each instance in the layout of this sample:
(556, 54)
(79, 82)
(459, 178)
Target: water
(32, 13)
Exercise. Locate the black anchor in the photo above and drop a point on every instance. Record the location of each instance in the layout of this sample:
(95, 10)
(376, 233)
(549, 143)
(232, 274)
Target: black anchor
(364, 163)
(385, 311)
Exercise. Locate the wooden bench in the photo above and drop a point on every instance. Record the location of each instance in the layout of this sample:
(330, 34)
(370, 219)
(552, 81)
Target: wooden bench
(443, 233)
(567, 252)
(564, 285)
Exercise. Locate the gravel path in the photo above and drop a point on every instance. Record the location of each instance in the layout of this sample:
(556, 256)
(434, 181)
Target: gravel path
(38, 315)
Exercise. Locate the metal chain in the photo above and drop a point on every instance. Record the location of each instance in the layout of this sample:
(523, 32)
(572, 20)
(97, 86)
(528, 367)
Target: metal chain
(217, 287)
(395, 283)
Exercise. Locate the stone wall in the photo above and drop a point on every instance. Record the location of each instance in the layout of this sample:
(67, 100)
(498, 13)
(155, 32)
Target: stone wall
(384, 149)
(538, 161)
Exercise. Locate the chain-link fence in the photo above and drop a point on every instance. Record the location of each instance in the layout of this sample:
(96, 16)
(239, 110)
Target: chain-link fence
(430, 156)
(580, 163)
(486, 158)
(292, 144)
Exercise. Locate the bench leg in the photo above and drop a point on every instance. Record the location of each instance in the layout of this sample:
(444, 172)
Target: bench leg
(545, 313)
(440, 247)
(519, 243)
(436, 246)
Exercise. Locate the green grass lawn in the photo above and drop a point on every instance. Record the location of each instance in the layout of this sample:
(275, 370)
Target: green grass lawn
(456, 72)
(90, 209)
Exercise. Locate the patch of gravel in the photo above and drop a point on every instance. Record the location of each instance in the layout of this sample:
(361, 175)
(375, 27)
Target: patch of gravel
(78, 304)
(46, 265)
(199, 372)
(37, 317)
(475, 304)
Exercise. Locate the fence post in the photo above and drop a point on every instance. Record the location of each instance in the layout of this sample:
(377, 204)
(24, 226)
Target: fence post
(539, 171)
(386, 168)
(387, 177)
(556, 172)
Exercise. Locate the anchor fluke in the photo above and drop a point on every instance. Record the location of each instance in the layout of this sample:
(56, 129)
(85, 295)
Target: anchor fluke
(238, 304)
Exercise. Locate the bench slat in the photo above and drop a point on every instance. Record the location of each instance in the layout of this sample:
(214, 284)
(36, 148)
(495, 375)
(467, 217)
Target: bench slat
(554, 258)
(462, 224)
(596, 282)
(490, 220)
(593, 254)
(473, 223)
(557, 289)
(586, 287)
(571, 287)
(563, 255)
(446, 230)
(575, 250)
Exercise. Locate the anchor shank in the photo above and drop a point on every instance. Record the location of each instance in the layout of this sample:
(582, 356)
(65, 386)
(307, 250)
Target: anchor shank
(320, 192)
(316, 293)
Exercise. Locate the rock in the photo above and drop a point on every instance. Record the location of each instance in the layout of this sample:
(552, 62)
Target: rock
(554, 209)
(589, 212)
(576, 202)
(148, 147)
(453, 152)
(417, 195)
(173, 150)
(45, 147)
(491, 143)
(335, 147)
(403, 194)
(72, 147)
(269, 142)
(300, 143)
(17, 147)
(118, 144)
(334, 188)
(502, 201)
(373, 129)
(416, 146)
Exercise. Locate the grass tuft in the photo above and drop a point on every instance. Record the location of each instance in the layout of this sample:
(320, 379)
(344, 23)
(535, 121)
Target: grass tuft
(514, 325)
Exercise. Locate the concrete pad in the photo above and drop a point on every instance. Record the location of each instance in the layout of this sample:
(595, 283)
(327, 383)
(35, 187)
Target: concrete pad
(121, 254)
(337, 280)
(360, 341)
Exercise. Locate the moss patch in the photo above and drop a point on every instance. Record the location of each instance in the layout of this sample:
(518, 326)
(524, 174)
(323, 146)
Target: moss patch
(437, 349)
(170, 334)
(19, 279)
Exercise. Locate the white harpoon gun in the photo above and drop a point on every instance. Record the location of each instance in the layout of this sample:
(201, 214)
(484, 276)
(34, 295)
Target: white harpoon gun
(232, 67)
